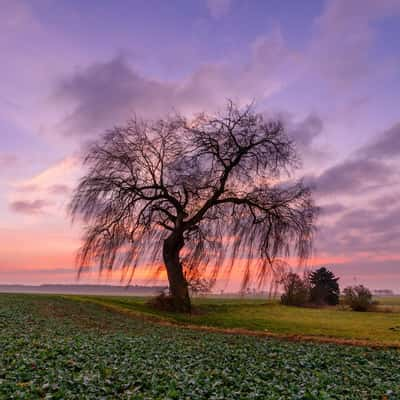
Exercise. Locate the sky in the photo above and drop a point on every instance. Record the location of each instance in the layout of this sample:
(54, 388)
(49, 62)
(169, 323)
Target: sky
(329, 69)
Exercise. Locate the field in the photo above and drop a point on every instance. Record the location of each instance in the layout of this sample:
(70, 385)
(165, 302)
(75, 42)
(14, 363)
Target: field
(271, 318)
(55, 347)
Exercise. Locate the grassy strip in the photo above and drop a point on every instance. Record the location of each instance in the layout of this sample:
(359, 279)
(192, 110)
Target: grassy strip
(271, 319)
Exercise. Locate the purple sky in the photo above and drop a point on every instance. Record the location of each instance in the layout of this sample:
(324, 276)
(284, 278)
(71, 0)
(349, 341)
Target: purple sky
(329, 69)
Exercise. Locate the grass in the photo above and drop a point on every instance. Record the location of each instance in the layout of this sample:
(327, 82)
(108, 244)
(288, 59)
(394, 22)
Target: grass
(53, 347)
(374, 328)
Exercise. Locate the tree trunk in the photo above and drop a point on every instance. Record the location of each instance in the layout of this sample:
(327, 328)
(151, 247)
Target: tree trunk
(177, 283)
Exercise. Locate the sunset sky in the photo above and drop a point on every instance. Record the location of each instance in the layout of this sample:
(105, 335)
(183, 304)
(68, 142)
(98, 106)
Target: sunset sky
(330, 70)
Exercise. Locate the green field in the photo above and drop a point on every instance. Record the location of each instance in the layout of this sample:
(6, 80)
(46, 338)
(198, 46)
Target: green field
(269, 317)
(54, 347)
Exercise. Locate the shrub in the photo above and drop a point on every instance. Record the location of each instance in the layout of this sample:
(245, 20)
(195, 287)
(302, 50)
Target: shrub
(296, 291)
(359, 298)
(324, 287)
(199, 285)
(162, 302)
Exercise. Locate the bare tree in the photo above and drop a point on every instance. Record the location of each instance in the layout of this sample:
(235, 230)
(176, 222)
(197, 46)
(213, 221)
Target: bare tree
(202, 195)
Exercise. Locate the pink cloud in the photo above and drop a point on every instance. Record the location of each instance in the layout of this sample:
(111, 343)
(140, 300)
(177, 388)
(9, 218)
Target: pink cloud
(7, 161)
(344, 35)
(29, 207)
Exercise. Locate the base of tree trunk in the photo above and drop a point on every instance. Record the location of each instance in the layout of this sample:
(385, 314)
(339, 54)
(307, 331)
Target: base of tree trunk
(181, 305)
(169, 303)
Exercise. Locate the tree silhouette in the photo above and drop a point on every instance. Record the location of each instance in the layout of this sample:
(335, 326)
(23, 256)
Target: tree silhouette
(203, 195)
(296, 291)
(324, 287)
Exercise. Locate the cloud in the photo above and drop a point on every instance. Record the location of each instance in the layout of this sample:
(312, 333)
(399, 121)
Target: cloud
(50, 175)
(7, 160)
(366, 224)
(272, 62)
(342, 13)
(330, 209)
(307, 130)
(374, 273)
(107, 93)
(386, 201)
(26, 188)
(39, 271)
(61, 171)
(17, 17)
(362, 231)
(386, 145)
(58, 189)
(352, 176)
(28, 207)
(372, 167)
(344, 34)
(52, 184)
(219, 8)
(303, 132)
(10, 104)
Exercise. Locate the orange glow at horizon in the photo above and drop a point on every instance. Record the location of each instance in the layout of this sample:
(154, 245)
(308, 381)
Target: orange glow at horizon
(48, 256)
(53, 261)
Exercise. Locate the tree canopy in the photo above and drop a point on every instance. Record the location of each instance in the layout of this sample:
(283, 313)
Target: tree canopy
(196, 196)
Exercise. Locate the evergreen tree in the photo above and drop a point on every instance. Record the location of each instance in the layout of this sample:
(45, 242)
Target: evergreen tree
(324, 287)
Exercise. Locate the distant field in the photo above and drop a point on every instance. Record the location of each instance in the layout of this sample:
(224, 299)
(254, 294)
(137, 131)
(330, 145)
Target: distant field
(388, 300)
(53, 347)
(389, 303)
(375, 328)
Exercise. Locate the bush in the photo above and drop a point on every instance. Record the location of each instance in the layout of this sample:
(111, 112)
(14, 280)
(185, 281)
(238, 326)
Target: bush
(359, 298)
(162, 302)
(324, 287)
(296, 291)
(199, 285)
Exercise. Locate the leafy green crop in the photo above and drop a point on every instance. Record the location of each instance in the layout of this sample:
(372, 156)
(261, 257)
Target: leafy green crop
(56, 348)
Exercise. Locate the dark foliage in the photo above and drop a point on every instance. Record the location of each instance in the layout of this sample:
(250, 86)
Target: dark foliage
(324, 287)
(202, 196)
(162, 302)
(359, 298)
(296, 291)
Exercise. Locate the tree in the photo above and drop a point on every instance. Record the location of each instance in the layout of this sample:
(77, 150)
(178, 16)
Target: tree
(296, 291)
(359, 298)
(324, 287)
(196, 194)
